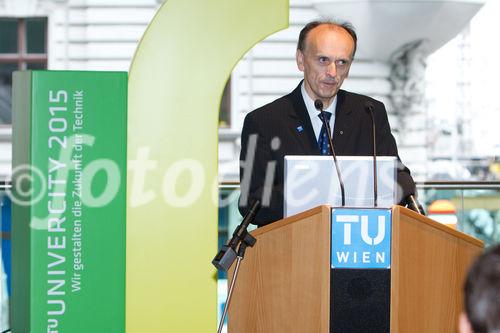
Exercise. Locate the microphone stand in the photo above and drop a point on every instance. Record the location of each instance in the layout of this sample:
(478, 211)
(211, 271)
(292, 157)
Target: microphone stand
(235, 250)
(240, 256)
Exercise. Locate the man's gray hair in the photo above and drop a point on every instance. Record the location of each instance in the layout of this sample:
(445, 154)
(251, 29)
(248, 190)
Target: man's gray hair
(347, 26)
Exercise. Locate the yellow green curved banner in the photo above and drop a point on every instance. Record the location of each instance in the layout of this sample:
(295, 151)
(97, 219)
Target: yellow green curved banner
(175, 85)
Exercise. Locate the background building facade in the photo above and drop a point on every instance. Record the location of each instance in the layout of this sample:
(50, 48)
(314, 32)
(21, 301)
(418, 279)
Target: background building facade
(390, 65)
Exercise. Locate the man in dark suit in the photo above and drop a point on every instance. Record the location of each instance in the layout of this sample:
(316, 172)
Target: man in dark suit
(291, 126)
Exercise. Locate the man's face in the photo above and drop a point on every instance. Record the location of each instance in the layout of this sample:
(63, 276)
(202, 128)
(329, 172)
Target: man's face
(325, 61)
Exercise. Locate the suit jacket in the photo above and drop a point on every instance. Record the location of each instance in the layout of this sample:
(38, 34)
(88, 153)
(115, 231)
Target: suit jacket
(283, 127)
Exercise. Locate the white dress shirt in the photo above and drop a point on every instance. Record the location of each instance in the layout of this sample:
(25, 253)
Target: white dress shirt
(314, 114)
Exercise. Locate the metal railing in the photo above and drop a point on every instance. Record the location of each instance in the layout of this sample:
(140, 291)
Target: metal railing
(446, 185)
(5, 185)
(477, 204)
(459, 185)
(420, 185)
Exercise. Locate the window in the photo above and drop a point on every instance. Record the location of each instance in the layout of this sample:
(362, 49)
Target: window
(23, 45)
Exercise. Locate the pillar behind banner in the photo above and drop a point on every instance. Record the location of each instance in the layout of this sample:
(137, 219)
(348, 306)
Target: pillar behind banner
(176, 81)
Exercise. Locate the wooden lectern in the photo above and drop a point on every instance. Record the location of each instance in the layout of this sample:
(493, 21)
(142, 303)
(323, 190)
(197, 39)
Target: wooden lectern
(286, 283)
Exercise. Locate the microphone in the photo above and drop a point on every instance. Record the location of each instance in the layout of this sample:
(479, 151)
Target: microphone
(318, 104)
(369, 110)
(226, 256)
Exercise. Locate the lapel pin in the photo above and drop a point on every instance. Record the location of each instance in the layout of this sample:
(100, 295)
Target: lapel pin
(300, 129)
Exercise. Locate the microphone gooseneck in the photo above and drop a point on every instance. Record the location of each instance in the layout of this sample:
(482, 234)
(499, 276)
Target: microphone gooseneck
(318, 104)
(369, 110)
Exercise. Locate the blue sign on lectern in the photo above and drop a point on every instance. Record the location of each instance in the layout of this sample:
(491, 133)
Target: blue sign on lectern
(361, 238)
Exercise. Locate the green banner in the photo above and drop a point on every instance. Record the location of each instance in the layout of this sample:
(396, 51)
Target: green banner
(68, 192)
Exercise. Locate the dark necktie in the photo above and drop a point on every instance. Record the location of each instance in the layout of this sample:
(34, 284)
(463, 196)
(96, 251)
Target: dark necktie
(323, 142)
